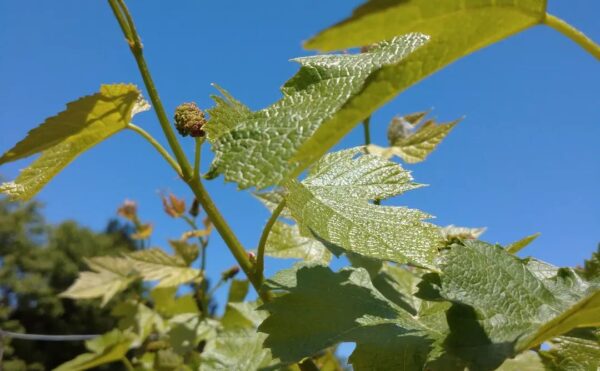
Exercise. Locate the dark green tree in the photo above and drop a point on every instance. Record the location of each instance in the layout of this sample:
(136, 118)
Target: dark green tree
(37, 262)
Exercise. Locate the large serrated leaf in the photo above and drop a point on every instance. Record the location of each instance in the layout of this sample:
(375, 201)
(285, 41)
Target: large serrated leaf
(156, 265)
(514, 304)
(238, 350)
(303, 321)
(255, 148)
(285, 241)
(109, 276)
(108, 348)
(572, 354)
(86, 122)
(332, 204)
(456, 28)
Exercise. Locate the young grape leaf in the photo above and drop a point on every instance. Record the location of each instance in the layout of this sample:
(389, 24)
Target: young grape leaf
(109, 276)
(526, 361)
(156, 265)
(332, 204)
(238, 291)
(285, 241)
(517, 246)
(410, 143)
(61, 138)
(456, 28)
(108, 348)
(240, 349)
(573, 354)
(303, 321)
(255, 148)
(515, 304)
(168, 304)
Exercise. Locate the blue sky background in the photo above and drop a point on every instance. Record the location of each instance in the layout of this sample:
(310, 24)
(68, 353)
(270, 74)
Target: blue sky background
(524, 160)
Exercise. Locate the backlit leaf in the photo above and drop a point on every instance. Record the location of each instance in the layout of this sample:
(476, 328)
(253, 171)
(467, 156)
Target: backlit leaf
(255, 148)
(332, 204)
(456, 28)
(285, 241)
(60, 139)
(109, 276)
(108, 348)
(156, 265)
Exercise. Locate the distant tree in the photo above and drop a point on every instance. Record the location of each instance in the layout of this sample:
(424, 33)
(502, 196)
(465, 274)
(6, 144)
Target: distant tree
(37, 262)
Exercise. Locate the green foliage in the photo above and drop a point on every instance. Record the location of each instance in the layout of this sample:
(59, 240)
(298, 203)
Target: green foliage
(332, 204)
(40, 260)
(60, 139)
(415, 296)
(255, 148)
(455, 28)
(110, 276)
(411, 138)
(285, 241)
(108, 348)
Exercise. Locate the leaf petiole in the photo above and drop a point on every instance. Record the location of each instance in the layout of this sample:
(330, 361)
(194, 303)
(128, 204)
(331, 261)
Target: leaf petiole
(574, 34)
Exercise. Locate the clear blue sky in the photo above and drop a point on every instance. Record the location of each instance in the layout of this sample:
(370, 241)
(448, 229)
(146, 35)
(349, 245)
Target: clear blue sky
(525, 159)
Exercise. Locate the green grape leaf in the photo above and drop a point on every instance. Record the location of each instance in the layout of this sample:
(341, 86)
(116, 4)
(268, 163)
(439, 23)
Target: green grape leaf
(109, 276)
(242, 315)
(255, 148)
(456, 28)
(238, 290)
(285, 241)
(168, 304)
(526, 361)
(272, 199)
(583, 313)
(108, 348)
(156, 265)
(188, 251)
(332, 204)
(572, 354)
(61, 138)
(410, 143)
(303, 321)
(517, 246)
(238, 350)
(452, 233)
(505, 305)
(137, 319)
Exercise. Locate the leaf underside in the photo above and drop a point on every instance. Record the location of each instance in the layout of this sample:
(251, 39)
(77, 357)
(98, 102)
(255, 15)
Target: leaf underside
(254, 149)
(456, 28)
(62, 138)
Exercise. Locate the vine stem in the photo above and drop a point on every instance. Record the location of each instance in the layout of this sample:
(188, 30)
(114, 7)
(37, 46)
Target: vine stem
(197, 156)
(165, 154)
(240, 254)
(127, 364)
(127, 25)
(260, 254)
(574, 34)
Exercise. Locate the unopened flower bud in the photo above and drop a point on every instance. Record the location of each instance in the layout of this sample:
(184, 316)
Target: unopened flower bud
(128, 210)
(230, 273)
(252, 257)
(189, 120)
(195, 208)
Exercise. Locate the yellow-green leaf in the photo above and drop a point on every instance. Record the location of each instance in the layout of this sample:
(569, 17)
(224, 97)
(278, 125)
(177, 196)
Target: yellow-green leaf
(456, 28)
(61, 138)
(108, 348)
(584, 313)
(517, 246)
(109, 276)
(156, 265)
(410, 143)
